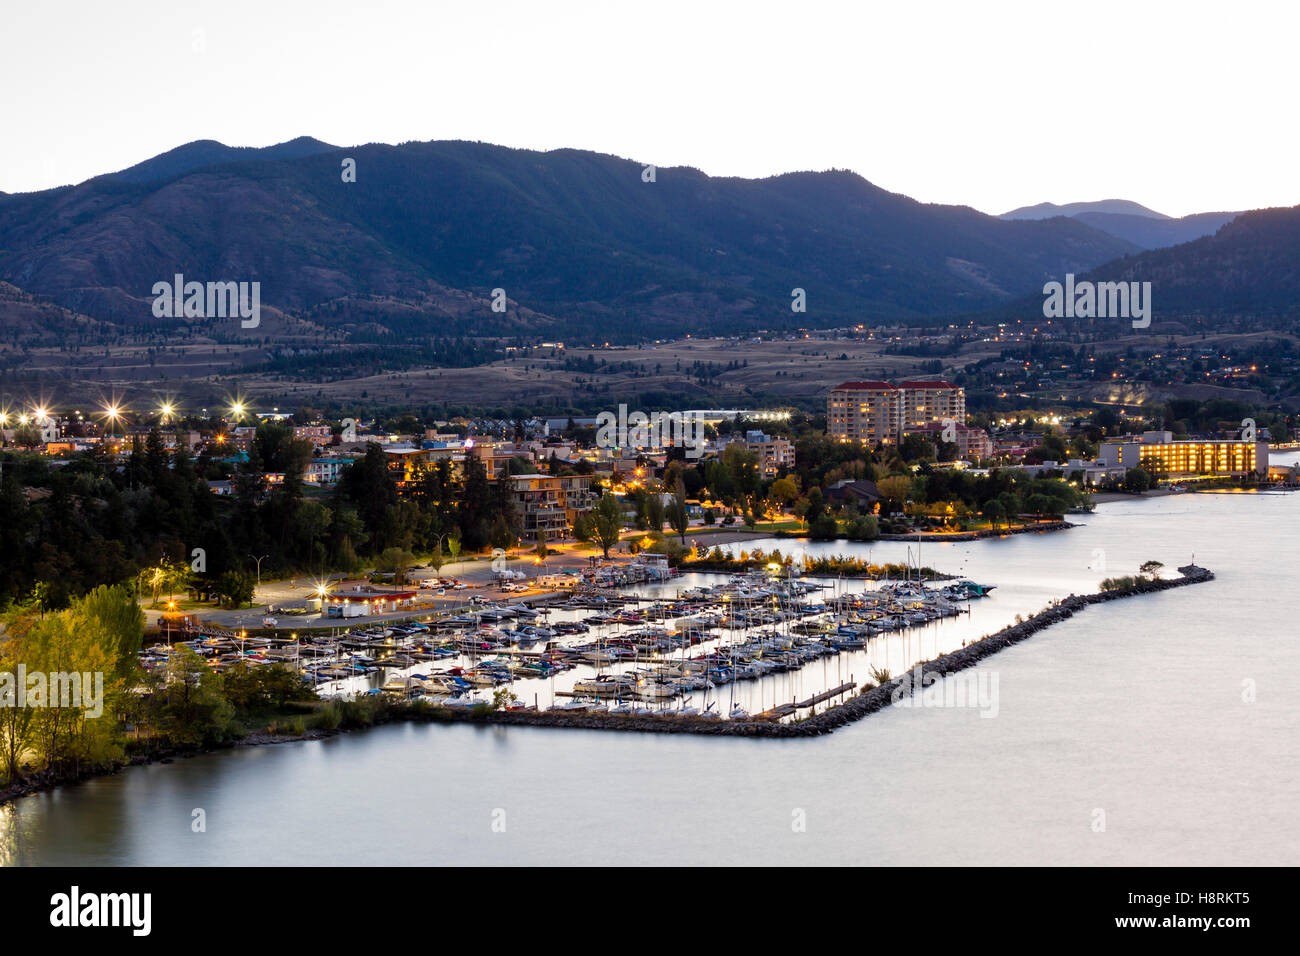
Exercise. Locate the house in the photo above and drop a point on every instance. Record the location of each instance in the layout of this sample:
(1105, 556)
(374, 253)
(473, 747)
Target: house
(861, 492)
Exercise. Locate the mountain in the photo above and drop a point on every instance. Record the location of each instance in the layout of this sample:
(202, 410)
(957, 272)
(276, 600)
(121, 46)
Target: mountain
(208, 152)
(1151, 233)
(581, 244)
(1130, 221)
(1250, 265)
(1118, 207)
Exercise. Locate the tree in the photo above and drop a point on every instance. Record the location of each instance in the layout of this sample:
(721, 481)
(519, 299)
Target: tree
(234, 589)
(1151, 569)
(27, 436)
(1040, 504)
(992, 510)
(1138, 480)
(395, 561)
(655, 512)
(784, 490)
(823, 528)
(677, 510)
(167, 575)
(187, 700)
(863, 528)
(896, 489)
(607, 518)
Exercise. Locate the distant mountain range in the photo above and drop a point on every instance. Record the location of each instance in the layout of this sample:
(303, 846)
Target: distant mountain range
(586, 246)
(1129, 221)
(1117, 207)
(580, 242)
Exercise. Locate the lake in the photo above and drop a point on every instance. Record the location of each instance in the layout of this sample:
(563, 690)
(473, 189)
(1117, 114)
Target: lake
(1155, 730)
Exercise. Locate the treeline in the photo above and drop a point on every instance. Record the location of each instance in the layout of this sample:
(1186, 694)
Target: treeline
(55, 726)
(65, 530)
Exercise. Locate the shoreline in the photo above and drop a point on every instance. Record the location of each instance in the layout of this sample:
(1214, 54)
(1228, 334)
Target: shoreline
(867, 701)
(1040, 528)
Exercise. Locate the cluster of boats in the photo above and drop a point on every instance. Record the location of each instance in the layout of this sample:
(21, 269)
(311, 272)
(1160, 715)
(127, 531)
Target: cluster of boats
(645, 654)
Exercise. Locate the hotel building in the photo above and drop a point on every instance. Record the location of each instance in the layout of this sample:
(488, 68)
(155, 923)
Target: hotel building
(1156, 452)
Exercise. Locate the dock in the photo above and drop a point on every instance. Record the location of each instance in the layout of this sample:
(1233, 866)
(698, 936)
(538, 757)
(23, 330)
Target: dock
(785, 710)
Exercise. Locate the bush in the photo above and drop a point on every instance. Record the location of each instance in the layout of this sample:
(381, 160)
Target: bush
(863, 528)
(824, 528)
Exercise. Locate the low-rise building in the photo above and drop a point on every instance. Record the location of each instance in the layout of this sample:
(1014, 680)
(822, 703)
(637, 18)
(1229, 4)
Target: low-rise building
(771, 454)
(973, 444)
(325, 471)
(548, 505)
(318, 435)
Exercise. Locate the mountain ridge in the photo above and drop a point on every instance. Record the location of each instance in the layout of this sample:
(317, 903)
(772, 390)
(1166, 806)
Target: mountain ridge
(577, 239)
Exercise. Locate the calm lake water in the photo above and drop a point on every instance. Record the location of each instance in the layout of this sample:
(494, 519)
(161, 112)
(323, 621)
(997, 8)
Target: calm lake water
(1159, 730)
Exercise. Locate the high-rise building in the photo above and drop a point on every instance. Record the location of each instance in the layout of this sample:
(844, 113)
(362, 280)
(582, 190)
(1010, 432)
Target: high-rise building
(924, 403)
(864, 411)
(880, 412)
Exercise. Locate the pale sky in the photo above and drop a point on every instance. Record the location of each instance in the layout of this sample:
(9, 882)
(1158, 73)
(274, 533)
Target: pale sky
(1182, 106)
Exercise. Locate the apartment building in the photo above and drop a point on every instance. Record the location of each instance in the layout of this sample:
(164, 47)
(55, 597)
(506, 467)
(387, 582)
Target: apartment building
(771, 454)
(973, 444)
(318, 435)
(548, 505)
(864, 411)
(882, 412)
(926, 402)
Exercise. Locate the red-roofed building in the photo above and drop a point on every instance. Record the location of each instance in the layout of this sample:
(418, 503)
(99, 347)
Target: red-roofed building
(880, 412)
(864, 411)
(927, 402)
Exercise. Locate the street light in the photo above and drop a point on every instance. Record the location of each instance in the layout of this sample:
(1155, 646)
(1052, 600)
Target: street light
(259, 567)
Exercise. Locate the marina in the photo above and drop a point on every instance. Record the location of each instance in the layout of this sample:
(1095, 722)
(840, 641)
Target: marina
(754, 646)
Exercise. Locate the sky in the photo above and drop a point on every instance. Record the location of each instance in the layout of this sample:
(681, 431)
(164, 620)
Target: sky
(1182, 106)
